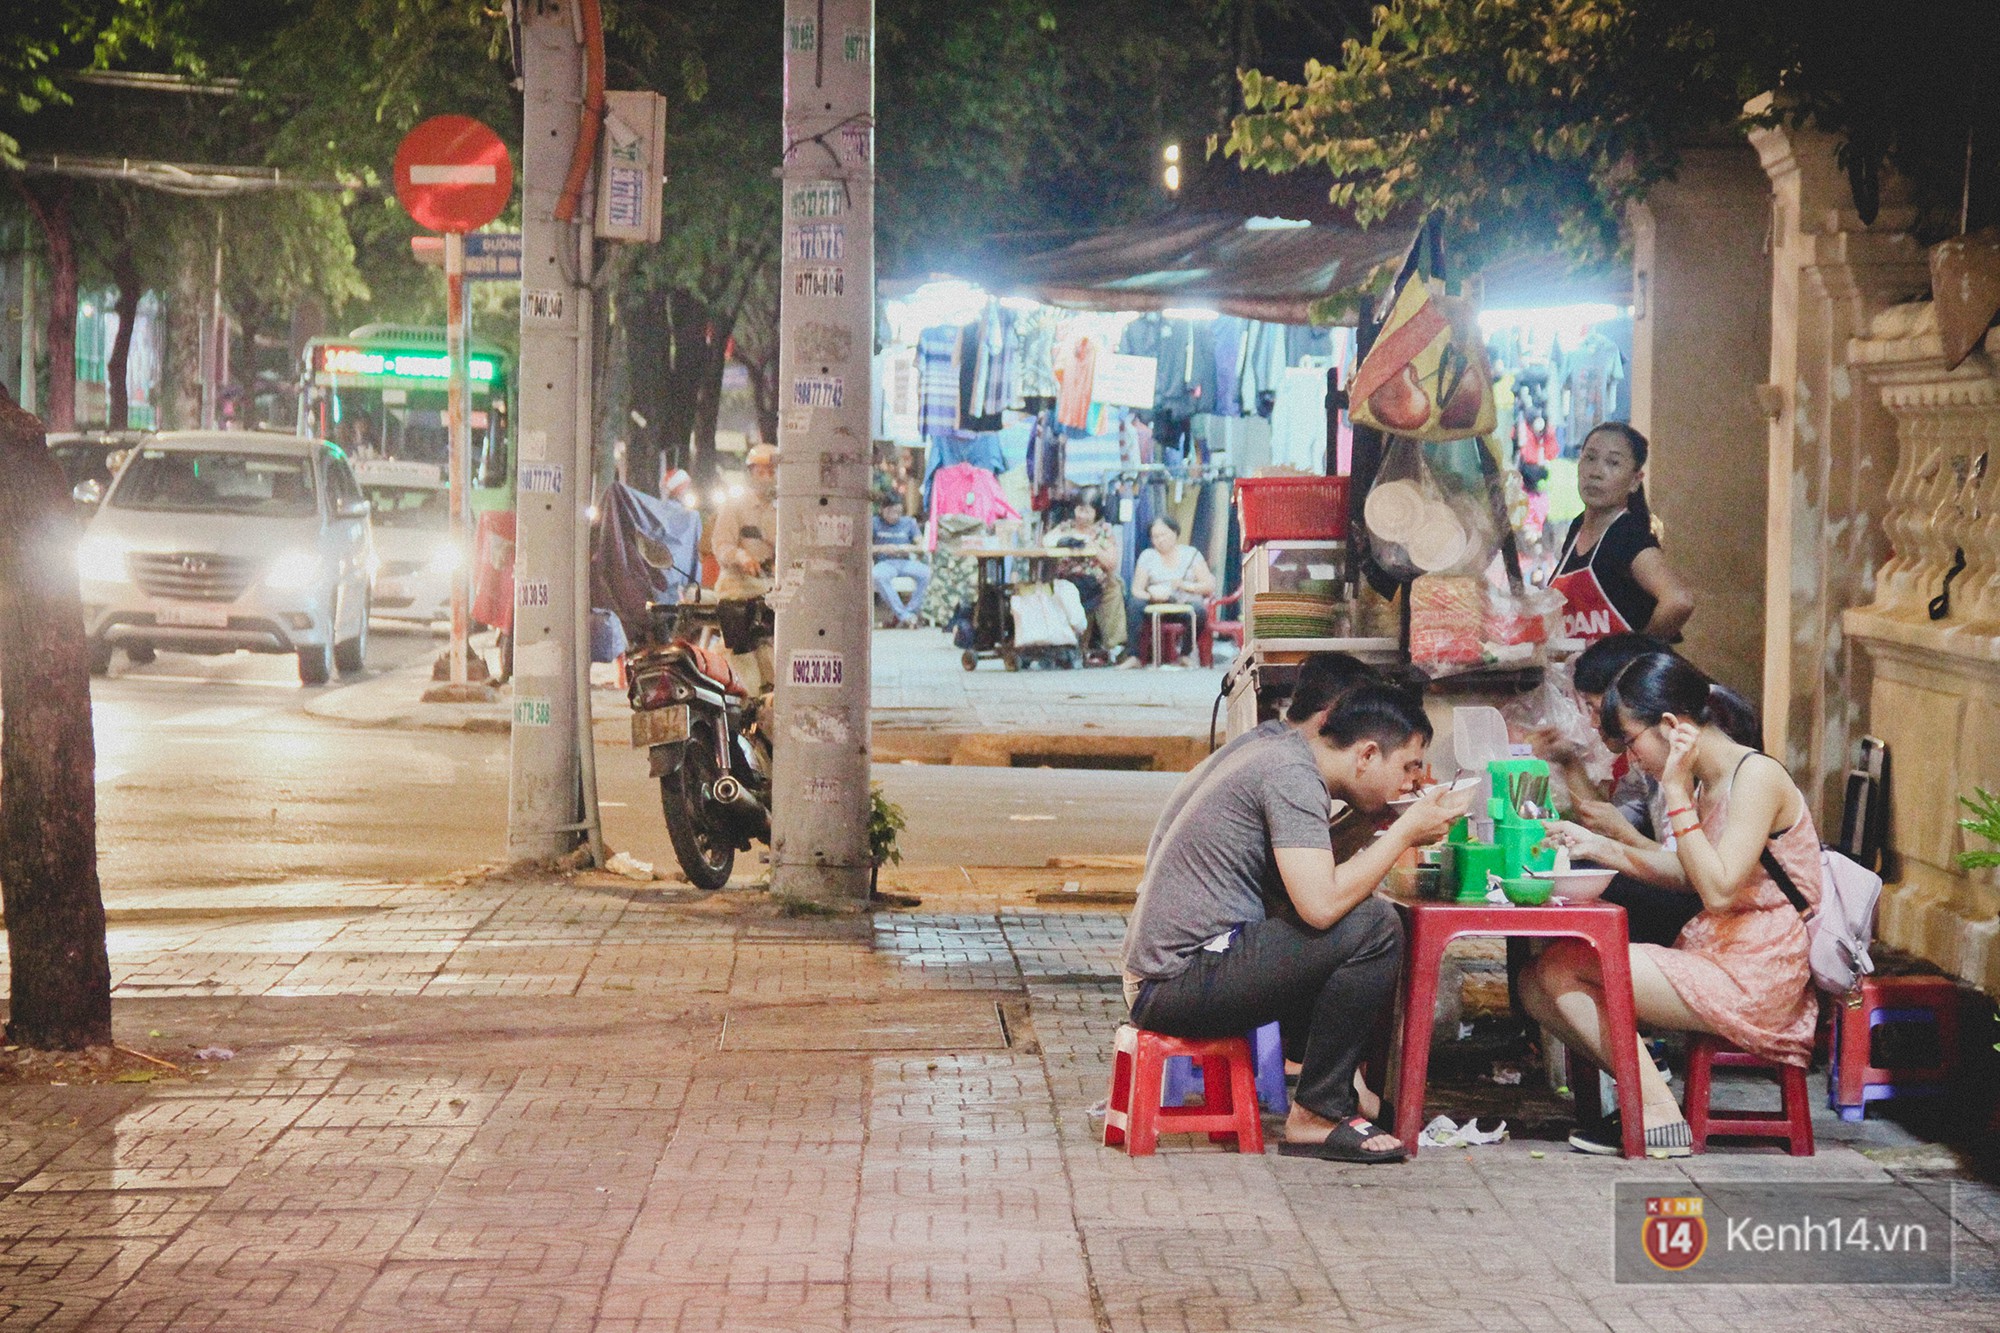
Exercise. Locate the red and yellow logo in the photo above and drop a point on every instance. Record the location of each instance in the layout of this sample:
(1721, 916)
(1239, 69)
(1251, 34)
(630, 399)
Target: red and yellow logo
(1676, 1234)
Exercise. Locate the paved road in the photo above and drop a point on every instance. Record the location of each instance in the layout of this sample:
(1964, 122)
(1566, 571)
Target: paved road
(210, 774)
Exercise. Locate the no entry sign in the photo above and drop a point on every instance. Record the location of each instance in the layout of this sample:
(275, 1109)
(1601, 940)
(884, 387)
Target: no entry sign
(453, 174)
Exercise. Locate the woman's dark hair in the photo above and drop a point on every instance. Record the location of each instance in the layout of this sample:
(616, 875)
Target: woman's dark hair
(1635, 503)
(1170, 523)
(1090, 498)
(1373, 711)
(1649, 688)
(1735, 716)
(1323, 679)
(1599, 664)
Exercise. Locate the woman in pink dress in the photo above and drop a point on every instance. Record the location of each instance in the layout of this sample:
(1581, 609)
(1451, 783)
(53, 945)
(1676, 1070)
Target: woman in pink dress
(1739, 968)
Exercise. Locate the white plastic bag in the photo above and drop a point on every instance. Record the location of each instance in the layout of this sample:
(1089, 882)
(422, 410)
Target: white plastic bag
(1039, 620)
(1072, 605)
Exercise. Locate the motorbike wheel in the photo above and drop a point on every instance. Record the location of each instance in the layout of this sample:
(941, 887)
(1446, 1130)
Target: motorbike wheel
(706, 854)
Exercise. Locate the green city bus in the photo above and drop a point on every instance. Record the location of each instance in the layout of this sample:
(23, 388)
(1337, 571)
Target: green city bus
(380, 392)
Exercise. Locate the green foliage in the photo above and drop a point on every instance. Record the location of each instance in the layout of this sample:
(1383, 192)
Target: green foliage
(1984, 824)
(41, 38)
(1519, 119)
(885, 822)
(1535, 121)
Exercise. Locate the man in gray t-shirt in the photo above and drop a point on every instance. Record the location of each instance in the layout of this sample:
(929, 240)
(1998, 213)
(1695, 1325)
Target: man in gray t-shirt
(1322, 679)
(1211, 873)
(1202, 958)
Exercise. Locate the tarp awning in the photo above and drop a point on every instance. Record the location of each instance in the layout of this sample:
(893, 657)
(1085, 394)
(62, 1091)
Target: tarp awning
(1271, 269)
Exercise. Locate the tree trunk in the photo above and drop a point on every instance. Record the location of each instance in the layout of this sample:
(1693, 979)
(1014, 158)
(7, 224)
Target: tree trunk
(48, 200)
(61, 976)
(180, 405)
(124, 272)
(683, 387)
(708, 390)
(649, 354)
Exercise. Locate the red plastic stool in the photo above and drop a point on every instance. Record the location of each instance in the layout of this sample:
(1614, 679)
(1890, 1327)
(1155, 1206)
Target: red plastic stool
(1133, 1115)
(1793, 1124)
(1853, 1082)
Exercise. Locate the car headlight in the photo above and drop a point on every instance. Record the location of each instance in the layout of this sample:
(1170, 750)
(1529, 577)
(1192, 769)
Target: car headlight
(101, 559)
(294, 569)
(447, 558)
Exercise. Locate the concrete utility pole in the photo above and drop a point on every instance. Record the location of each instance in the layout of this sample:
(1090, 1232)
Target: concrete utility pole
(552, 804)
(826, 341)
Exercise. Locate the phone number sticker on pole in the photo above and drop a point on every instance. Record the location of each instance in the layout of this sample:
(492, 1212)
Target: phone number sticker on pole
(818, 669)
(542, 478)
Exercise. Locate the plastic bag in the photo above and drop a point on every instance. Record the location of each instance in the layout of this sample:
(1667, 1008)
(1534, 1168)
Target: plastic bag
(1039, 620)
(1426, 375)
(1428, 512)
(1553, 720)
(1462, 621)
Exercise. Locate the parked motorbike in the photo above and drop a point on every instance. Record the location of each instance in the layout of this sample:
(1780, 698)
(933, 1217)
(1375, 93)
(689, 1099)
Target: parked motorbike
(706, 736)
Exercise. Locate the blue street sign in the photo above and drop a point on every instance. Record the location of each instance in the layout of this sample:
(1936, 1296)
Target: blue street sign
(493, 256)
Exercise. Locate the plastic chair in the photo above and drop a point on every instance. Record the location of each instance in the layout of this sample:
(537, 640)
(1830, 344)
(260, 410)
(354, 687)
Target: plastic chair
(1183, 1075)
(1853, 1081)
(1133, 1115)
(1157, 613)
(1792, 1125)
(1218, 628)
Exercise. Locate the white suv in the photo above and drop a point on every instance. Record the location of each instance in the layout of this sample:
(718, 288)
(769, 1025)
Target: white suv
(211, 541)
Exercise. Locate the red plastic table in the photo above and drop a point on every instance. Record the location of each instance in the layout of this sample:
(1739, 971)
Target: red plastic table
(1433, 925)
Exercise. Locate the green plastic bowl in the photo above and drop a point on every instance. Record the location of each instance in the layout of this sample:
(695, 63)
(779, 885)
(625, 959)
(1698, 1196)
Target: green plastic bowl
(1527, 892)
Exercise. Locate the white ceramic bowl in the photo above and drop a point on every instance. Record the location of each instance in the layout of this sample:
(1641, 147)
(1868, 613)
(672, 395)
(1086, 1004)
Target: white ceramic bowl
(1402, 803)
(1578, 886)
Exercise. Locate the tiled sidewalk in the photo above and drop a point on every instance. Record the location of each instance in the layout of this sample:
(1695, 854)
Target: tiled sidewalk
(545, 1106)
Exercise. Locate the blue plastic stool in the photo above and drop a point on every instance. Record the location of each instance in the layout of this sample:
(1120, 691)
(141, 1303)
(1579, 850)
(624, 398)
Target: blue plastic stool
(1183, 1076)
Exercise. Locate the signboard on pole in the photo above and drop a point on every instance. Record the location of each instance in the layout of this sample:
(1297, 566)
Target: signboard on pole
(453, 174)
(633, 167)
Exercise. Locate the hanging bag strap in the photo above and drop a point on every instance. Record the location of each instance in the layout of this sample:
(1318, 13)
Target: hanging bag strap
(1777, 872)
(1784, 882)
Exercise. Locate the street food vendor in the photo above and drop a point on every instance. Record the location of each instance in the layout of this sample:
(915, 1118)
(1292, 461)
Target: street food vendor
(1613, 576)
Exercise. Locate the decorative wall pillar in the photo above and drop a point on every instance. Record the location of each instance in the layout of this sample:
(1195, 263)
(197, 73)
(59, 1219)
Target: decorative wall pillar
(1935, 689)
(1701, 335)
(1831, 452)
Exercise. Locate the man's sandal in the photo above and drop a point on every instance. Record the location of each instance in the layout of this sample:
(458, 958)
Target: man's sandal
(1344, 1144)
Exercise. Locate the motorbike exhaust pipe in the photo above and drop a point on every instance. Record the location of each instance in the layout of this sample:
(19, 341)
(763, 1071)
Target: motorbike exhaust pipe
(742, 807)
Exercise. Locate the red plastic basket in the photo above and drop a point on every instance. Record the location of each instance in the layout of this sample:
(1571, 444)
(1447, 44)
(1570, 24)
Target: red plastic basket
(1291, 509)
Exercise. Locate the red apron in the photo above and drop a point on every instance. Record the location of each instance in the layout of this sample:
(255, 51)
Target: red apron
(1587, 613)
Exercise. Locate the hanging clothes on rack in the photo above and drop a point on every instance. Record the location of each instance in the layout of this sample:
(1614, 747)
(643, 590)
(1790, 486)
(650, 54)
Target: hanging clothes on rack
(972, 356)
(993, 380)
(962, 488)
(1227, 334)
(1260, 367)
(937, 380)
(1035, 376)
(1076, 364)
(1298, 419)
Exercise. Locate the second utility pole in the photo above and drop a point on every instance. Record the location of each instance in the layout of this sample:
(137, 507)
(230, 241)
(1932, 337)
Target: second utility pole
(552, 801)
(819, 847)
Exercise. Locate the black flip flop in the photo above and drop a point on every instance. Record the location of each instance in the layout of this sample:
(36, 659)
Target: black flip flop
(1344, 1144)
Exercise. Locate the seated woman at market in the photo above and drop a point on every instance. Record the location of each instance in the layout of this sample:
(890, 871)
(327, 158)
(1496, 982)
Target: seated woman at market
(1739, 969)
(1094, 571)
(1612, 574)
(1168, 573)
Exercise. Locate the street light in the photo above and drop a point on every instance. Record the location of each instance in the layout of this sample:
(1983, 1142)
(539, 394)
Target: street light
(1172, 154)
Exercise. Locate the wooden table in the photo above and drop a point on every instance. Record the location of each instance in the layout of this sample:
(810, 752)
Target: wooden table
(1433, 925)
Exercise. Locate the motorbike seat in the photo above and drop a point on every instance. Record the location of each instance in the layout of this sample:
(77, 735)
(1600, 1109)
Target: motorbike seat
(714, 663)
